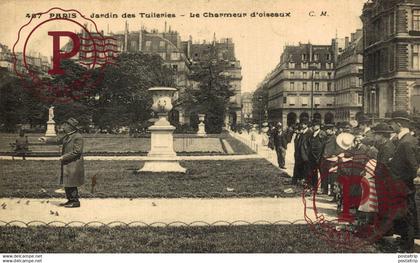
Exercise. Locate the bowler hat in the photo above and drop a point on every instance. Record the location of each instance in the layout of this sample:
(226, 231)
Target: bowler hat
(73, 123)
(401, 115)
(363, 119)
(382, 128)
(345, 140)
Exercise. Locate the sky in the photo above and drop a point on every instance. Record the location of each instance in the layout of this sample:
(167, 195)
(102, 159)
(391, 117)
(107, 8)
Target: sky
(259, 41)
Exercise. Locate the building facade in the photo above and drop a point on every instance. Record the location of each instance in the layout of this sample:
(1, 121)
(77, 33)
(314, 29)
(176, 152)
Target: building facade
(222, 50)
(247, 108)
(391, 32)
(302, 84)
(349, 79)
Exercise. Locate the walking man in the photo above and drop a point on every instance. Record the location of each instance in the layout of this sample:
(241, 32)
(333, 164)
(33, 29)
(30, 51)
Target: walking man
(72, 168)
(280, 144)
(316, 146)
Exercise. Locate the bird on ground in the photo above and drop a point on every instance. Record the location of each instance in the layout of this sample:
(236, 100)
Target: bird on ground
(4, 206)
(153, 204)
(27, 202)
(18, 201)
(51, 212)
(56, 213)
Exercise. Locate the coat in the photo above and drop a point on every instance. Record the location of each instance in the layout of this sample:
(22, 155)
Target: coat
(72, 167)
(302, 146)
(316, 146)
(403, 165)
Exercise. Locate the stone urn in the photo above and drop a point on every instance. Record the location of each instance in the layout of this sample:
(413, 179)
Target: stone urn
(162, 157)
(201, 126)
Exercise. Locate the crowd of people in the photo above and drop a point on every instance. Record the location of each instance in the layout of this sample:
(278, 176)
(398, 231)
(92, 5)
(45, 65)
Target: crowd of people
(373, 156)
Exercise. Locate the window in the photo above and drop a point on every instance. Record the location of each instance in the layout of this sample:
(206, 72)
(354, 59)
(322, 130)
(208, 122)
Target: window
(359, 99)
(175, 67)
(317, 101)
(291, 65)
(304, 75)
(162, 55)
(329, 86)
(360, 82)
(162, 44)
(175, 56)
(316, 86)
(148, 44)
(305, 101)
(416, 20)
(304, 65)
(304, 86)
(284, 100)
(317, 75)
(329, 75)
(328, 56)
(292, 86)
(292, 74)
(292, 101)
(316, 57)
(415, 57)
(305, 57)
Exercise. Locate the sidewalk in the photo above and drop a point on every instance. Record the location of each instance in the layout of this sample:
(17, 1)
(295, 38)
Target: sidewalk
(176, 212)
(145, 158)
(265, 152)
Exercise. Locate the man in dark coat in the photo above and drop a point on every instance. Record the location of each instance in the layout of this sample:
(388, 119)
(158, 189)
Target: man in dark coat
(280, 144)
(302, 167)
(316, 146)
(403, 167)
(72, 168)
(331, 149)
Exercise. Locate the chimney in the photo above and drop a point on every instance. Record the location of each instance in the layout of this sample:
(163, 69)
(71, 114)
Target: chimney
(346, 42)
(165, 27)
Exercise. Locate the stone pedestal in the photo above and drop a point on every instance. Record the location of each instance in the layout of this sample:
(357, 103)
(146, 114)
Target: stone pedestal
(201, 126)
(162, 157)
(50, 129)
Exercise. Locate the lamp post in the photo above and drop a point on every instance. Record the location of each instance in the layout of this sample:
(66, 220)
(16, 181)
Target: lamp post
(312, 68)
(260, 99)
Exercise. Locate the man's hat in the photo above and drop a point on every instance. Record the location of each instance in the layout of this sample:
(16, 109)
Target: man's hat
(73, 123)
(363, 119)
(382, 128)
(345, 140)
(278, 124)
(401, 115)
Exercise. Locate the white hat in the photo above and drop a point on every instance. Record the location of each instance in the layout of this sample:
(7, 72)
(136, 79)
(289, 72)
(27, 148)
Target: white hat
(345, 140)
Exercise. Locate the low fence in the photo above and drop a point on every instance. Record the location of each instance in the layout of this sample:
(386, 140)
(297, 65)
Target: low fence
(18, 223)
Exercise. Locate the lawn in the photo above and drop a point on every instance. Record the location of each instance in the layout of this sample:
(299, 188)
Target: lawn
(123, 145)
(207, 239)
(230, 178)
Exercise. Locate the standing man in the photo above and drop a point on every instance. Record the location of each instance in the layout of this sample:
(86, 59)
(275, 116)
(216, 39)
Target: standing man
(72, 168)
(280, 144)
(302, 167)
(316, 146)
(331, 149)
(403, 167)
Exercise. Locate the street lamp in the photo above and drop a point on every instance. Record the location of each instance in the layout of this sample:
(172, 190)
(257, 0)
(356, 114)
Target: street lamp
(312, 68)
(260, 99)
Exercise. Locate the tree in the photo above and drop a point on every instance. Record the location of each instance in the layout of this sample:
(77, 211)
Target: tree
(213, 93)
(122, 98)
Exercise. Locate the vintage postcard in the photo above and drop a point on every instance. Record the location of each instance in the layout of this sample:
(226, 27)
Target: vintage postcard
(209, 126)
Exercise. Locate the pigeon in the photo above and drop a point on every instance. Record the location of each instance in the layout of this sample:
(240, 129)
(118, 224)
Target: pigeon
(42, 190)
(42, 201)
(131, 199)
(27, 202)
(51, 212)
(56, 213)
(4, 206)
(47, 201)
(153, 204)
(18, 201)
(230, 189)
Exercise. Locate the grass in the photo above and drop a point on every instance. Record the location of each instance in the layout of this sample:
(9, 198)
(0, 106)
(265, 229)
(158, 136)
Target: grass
(123, 144)
(252, 177)
(208, 239)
